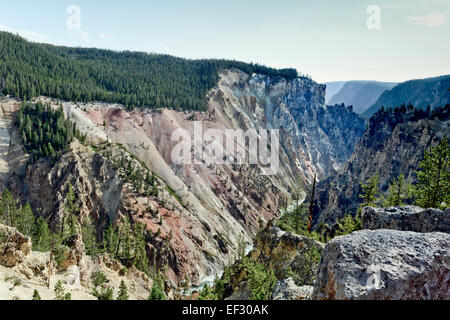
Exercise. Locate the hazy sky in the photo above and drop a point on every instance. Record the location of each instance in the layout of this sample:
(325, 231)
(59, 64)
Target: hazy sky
(329, 40)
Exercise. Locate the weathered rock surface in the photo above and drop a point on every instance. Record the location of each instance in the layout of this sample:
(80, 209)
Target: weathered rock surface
(385, 264)
(12, 158)
(103, 194)
(14, 246)
(408, 218)
(286, 289)
(314, 137)
(35, 266)
(209, 206)
(73, 254)
(285, 252)
(22, 271)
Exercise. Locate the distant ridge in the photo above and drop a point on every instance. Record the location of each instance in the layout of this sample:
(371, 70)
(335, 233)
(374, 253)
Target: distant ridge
(333, 88)
(433, 92)
(360, 94)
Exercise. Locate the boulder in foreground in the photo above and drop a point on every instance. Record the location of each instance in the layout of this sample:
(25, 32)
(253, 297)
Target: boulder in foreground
(408, 218)
(385, 264)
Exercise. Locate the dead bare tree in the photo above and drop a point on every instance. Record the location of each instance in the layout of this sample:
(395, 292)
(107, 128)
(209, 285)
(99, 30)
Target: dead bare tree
(311, 204)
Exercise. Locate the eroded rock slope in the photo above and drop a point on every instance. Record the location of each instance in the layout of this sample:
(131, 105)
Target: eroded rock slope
(393, 144)
(206, 208)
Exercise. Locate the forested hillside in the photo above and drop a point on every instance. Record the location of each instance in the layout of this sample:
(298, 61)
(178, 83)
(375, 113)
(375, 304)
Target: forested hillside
(44, 131)
(433, 92)
(134, 79)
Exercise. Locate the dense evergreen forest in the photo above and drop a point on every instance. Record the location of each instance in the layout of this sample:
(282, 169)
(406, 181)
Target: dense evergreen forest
(44, 131)
(134, 79)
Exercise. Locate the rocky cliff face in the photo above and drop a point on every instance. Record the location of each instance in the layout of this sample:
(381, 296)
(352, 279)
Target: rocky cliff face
(312, 134)
(104, 194)
(206, 207)
(394, 143)
(12, 159)
(14, 246)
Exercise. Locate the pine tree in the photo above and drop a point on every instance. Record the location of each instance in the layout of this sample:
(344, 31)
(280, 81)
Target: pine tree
(399, 191)
(207, 294)
(90, 239)
(41, 236)
(123, 291)
(348, 224)
(105, 293)
(157, 292)
(311, 205)
(124, 245)
(44, 131)
(9, 211)
(140, 259)
(72, 210)
(111, 240)
(60, 292)
(26, 220)
(433, 177)
(36, 295)
(370, 191)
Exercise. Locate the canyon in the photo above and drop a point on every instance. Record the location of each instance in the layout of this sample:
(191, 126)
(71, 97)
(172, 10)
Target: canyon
(393, 144)
(204, 208)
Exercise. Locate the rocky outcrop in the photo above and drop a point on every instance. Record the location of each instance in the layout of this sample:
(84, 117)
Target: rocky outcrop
(286, 289)
(14, 246)
(293, 259)
(22, 271)
(286, 253)
(35, 266)
(408, 218)
(72, 254)
(385, 264)
(393, 144)
(92, 176)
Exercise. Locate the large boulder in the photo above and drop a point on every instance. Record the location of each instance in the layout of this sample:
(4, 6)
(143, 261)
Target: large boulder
(35, 266)
(385, 264)
(286, 289)
(14, 246)
(287, 253)
(408, 218)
